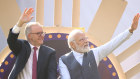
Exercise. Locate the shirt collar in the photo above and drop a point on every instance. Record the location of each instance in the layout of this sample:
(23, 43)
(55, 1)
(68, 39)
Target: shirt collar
(77, 54)
(33, 46)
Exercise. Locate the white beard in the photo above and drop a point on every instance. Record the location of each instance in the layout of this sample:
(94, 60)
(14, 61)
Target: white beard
(82, 49)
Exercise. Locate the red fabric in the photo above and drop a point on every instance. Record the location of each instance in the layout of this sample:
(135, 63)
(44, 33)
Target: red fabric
(34, 66)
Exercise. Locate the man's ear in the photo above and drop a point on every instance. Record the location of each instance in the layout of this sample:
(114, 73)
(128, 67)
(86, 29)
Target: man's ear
(29, 36)
(72, 45)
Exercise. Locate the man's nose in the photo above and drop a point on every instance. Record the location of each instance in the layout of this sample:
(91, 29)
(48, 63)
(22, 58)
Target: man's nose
(86, 40)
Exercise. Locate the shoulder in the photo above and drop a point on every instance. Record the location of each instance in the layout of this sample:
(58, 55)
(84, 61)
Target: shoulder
(66, 56)
(47, 48)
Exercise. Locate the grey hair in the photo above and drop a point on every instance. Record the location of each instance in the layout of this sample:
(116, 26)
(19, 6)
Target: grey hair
(71, 36)
(28, 28)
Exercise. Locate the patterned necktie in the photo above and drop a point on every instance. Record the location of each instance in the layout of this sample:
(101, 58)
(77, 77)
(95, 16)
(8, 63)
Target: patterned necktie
(34, 66)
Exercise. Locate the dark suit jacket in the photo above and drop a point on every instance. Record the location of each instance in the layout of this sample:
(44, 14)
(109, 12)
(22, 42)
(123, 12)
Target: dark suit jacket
(46, 65)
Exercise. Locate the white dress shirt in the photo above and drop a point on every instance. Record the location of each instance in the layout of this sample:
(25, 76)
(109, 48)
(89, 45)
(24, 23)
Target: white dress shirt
(26, 73)
(99, 53)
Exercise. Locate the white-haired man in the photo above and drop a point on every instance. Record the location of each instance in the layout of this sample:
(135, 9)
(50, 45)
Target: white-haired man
(82, 62)
(33, 60)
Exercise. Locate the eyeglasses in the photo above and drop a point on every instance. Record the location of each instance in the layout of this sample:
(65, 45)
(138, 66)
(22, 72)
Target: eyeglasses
(39, 33)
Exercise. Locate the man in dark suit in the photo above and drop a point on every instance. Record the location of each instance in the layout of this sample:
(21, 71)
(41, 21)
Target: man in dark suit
(33, 60)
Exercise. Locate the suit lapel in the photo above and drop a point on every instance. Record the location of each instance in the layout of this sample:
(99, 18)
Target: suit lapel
(41, 59)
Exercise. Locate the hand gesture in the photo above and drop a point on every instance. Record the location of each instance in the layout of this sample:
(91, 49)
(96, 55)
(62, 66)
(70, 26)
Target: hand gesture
(25, 17)
(134, 23)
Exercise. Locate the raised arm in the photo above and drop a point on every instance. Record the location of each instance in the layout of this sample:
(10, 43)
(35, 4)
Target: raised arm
(25, 17)
(13, 42)
(110, 46)
(134, 23)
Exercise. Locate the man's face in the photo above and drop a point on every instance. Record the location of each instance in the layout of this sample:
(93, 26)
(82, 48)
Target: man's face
(81, 43)
(36, 36)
